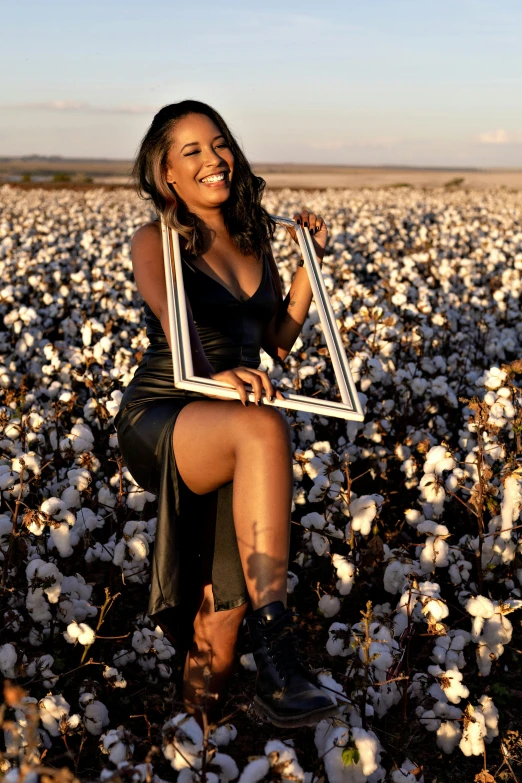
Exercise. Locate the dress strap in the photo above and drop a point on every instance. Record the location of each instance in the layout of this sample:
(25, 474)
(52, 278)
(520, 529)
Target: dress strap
(187, 263)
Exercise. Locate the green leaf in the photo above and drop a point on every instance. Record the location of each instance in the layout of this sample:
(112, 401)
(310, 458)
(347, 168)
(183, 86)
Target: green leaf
(350, 755)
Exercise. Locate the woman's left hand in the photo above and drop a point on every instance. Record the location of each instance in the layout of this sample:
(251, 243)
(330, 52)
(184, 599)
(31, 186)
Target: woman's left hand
(317, 228)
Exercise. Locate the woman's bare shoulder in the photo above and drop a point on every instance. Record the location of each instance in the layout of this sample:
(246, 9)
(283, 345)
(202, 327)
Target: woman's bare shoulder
(149, 233)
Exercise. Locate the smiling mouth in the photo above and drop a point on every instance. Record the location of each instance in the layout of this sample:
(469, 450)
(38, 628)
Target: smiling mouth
(214, 178)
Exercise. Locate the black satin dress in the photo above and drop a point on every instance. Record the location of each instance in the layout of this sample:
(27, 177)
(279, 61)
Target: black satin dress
(231, 332)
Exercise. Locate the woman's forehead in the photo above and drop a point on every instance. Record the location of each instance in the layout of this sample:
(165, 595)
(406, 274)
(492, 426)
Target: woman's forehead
(198, 127)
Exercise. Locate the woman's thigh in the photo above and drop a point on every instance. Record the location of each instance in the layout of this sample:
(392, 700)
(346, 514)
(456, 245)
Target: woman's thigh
(207, 435)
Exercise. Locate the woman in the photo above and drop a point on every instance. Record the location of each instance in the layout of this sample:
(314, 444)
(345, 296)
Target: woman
(191, 449)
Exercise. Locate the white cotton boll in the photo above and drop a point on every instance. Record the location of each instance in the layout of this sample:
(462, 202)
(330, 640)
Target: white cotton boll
(61, 538)
(492, 379)
(46, 572)
(124, 657)
(283, 757)
(79, 632)
(86, 332)
(313, 521)
(137, 498)
(120, 551)
(329, 605)
(96, 717)
(459, 572)
(106, 497)
(430, 721)
(227, 765)
(185, 742)
(297, 472)
(404, 774)
(118, 751)
(444, 710)
(292, 581)
(485, 657)
(37, 606)
(113, 404)
(491, 716)
(346, 573)
(380, 655)
(317, 492)
(432, 493)
(337, 638)
(511, 504)
(336, 477)
(8, 657)
(52, 710)
(450, 685)
(480, 606)
(320, 544)
(363, 511)
(331, 687)
(435, 455)
(438, 655)
(369, 750)
(394, 578)
(448, 736)
(255, 770)
(413, 517)
(115, 677)
(434, 554)
(472, 742)
(224, 734)
(57, 508)
(138, 547)
(247, 662)
(431, 528)
(477, 625)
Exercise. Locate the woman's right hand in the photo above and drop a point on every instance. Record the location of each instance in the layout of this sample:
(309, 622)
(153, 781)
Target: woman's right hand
(241, 377)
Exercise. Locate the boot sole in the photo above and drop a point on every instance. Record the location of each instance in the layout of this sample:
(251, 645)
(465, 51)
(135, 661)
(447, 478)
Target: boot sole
(293, 721)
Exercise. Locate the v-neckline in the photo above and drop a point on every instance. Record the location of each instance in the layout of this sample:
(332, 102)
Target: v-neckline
(222, 285)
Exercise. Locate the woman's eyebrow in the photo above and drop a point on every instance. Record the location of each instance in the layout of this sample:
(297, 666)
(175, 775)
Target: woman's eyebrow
(192, 143)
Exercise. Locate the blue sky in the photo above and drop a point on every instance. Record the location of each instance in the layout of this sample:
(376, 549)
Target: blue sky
(366, 82)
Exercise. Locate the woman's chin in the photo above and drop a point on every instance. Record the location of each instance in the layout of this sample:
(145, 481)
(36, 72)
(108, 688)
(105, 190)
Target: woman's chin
(217, 197)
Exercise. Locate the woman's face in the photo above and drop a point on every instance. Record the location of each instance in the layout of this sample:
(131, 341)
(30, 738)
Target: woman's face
(200, 164)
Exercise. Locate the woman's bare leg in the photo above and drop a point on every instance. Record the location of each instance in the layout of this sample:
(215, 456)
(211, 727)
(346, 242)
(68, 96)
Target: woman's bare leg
(212, 651)
(219, 441)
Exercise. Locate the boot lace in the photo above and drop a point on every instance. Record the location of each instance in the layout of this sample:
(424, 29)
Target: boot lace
(283, 652)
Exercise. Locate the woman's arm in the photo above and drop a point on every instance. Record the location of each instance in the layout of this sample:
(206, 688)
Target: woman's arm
(149, 273)
(286, 325)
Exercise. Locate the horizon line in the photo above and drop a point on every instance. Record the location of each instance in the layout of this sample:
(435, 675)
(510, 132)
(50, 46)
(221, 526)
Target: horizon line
(35, 157)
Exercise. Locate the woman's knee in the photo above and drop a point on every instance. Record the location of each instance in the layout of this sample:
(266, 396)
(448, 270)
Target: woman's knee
(267, 424)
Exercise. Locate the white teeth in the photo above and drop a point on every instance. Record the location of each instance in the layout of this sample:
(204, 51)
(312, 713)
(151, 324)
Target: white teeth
(214, 178)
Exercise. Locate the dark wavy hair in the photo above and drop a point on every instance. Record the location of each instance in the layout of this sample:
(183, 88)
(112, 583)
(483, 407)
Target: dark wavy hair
(247, 222)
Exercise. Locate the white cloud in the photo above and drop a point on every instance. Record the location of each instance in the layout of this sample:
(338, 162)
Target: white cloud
(78, 106)
(499, 137)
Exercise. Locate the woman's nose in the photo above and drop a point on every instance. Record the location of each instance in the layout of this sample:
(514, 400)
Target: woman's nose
(212, 157)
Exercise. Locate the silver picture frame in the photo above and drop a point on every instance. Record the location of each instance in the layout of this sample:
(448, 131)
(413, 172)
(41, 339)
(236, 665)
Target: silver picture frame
(349, 408)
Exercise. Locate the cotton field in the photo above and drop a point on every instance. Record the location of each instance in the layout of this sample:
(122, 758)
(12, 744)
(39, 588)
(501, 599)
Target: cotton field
(406, 562)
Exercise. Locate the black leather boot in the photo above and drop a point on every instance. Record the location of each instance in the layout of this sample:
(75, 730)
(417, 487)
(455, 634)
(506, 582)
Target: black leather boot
(284, 691)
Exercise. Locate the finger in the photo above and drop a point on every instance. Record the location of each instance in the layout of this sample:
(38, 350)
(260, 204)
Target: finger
(257, 386)
(279, 395)
(312, 222)
(304, 217)
(249, 376)
(239, 386)
(297, 218)
(321, 225)
(267, 384)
